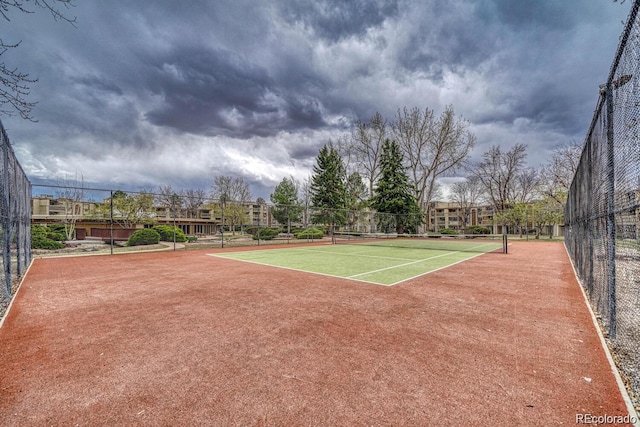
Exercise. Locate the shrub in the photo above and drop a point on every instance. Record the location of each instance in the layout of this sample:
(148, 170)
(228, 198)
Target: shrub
(39, 230)
(266, 233)
(52, 232)
(40, 238)
(310, 233)
(478, 229)
(251, 229)
(166, 233)
(449, 232)
(191, 238)
(146, 236)
(44, 243)
(57, 232)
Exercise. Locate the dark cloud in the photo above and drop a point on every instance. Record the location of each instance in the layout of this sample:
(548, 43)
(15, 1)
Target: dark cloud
(138, 88)
(197, 86)
(94, 83)
(447, 35)
(305, 151)
(547, 15)
(336, 19)
(214, 92)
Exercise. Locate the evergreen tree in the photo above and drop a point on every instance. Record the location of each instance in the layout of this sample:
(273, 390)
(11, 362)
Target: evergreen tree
(287, 206)
(394, 194)
(355, 198)
(328, 187)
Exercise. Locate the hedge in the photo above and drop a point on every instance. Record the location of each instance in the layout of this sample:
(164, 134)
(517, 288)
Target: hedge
(266, 233)
(146, 236)
(310, 233)
(42, 237)
(166, 233)
(448, 231)
(478, 229)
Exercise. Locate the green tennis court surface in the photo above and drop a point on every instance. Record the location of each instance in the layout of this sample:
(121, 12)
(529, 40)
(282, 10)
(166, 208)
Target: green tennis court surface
(382, 263)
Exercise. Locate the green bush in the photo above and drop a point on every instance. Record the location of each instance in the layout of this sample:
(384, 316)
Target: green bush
(449, 231)
(266, 233)
(40, 238)
(310, 233)
(57, 232)
(478, 229)
(146, 236)
(51, 232)
(166, 233)
(39, 230)
(191, 238)
(252, 229)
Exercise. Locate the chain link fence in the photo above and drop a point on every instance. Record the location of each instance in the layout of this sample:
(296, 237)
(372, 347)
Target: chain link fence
(82, 219)
(15, 217)
(603, 208)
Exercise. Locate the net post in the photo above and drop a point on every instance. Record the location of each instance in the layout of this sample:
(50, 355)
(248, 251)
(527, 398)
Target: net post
(505, 244)
(111, 222)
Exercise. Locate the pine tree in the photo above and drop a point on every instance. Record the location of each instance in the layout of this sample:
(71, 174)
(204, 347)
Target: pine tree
(394, 194)
(328, 187)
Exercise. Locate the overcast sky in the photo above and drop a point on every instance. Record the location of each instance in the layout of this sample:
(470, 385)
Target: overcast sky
(146, 93)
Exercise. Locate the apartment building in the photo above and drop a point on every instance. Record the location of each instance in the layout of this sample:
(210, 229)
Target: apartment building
(91, 221)
(441, 215)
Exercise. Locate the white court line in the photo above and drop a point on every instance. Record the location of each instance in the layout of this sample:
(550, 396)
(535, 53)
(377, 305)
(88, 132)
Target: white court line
(437, 269)
(354, 277)
(422, 260)
(299, 270)
(402, 265)
(360, 254)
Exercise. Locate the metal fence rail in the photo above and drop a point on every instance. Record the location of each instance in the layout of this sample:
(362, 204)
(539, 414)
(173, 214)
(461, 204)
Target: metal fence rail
(15, 220)
(84, 216)
(603, 207)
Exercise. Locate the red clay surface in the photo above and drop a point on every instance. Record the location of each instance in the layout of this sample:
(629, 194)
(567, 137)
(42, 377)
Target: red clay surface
(182, 338)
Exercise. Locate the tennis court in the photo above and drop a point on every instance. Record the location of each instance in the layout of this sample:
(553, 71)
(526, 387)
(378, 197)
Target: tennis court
(382, 261)
(184, 338)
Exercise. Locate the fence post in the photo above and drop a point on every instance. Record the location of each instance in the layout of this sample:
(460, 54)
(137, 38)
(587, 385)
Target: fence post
(585, 223)
(111, 222)
(222, 202)
(5, 210)
(611, 215)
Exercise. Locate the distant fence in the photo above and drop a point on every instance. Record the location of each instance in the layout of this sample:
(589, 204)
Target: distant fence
(83, 216)
(602, 213)
(15, 217)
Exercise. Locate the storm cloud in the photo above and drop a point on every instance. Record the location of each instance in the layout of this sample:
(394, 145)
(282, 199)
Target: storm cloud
(149, 93)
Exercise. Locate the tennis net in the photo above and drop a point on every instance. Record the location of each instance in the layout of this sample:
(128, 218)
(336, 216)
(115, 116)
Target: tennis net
(456, 243)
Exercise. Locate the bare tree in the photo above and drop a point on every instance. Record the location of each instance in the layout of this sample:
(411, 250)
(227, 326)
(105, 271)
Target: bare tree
(15, 85)
(558, 173)
(193, 199)
(498, 173)
(527, 185)
(71, 192)
(230, 189)
(344, 145)
(432, 146)
(466, 193)
(170, 200)
(233, 195)
(305, 200)
(365, 149)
